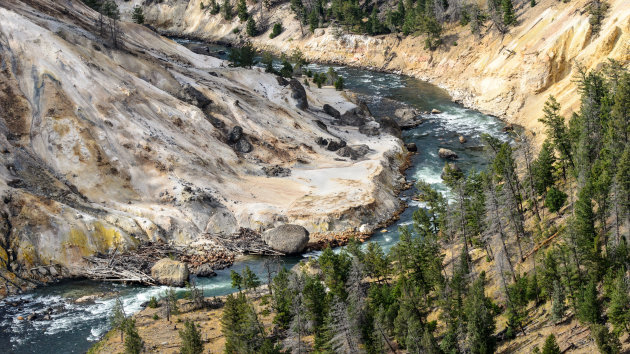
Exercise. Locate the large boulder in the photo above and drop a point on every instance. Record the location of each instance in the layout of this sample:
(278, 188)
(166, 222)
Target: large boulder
(235, 134)
(288, 238)
(447, 154)
(408, 118)
(331, 111)
(170, 272)
(298, 93)
(352, 117)
(389, 125)
(243, 146)
(354, 152)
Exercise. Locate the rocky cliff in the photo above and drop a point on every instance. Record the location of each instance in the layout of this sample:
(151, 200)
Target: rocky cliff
(105, 148)
(508, 75)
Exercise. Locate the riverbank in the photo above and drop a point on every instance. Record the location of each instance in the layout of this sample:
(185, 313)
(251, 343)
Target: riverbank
(509, 76)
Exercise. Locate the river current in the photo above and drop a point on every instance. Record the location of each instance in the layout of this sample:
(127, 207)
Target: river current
(74, 327)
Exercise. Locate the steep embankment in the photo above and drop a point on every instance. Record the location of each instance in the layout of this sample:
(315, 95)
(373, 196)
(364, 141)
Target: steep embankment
(104, 148)
(509, 75)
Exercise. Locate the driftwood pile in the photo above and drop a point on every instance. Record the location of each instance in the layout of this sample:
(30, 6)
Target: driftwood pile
(213, 252)
(132, 266)
(245, 241)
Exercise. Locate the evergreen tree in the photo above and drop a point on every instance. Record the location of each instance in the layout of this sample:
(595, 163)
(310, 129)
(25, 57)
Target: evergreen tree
(555, 199)
(619, 306)
(509, 18)
(543, 169)
(241, 10)
(227, 10)
(480, 316)
(118, 318)
(251, 29)
(597, 11)
(133, 342)
(240, 326)
(191, 339)
(606, 342)
(589, 309)
(281, 299)
(138, 15)
(558, 133)
(558, 307)
(551, 347)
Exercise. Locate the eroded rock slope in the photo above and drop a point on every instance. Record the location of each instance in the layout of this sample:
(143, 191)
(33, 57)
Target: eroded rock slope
(106, 147)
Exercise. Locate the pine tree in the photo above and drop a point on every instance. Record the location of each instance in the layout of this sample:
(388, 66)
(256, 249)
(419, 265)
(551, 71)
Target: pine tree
(227, 10)
(509, 18)
(606, 342)
(558, 307)
(480, 316)
(543, 169)
(118, 318)
(619, 307)
(240, 326)
(589, 309)
(281, 299)
(551, 347)
(191, 339)
(241, 10)
(138, 15)
(558, 133)
(251, 29)
(133, 342)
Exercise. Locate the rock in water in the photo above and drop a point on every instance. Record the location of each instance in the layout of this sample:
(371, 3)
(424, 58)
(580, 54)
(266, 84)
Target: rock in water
(462, 139)
(435, 111)
(331, 111)
(204, 270)
(447, 154)
(299, 94)
(170, 272)
(411, 147)
(288, 238)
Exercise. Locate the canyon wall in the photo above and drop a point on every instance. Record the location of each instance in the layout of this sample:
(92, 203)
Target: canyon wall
(510, 76)
(105, 148)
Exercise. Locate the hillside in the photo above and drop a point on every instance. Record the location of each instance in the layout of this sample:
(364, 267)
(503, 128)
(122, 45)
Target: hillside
(508, 75)
(108, 145)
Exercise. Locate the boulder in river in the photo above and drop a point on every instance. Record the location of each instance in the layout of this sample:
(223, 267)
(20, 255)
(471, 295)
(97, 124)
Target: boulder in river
(331, 111)
(462, 139)
(435, 111)
(411, 147)
(288, 238)
(447, 154)
(167, 271)
(204, 270)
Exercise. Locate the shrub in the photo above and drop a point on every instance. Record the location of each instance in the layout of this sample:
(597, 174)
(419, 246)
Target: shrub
(153, 303)
(277, 29)
(339, 84)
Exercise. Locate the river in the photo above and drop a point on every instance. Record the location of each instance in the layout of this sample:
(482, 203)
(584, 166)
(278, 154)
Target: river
(74, 327)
